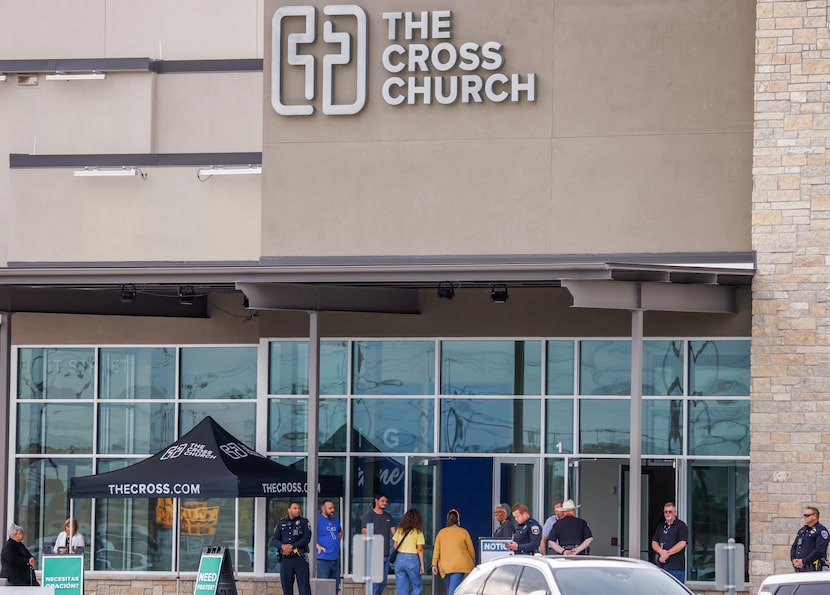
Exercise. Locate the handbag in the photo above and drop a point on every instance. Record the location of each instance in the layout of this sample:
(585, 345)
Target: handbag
(394, 555)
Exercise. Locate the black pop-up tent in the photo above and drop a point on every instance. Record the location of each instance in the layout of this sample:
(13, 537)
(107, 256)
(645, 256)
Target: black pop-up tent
(207, 462)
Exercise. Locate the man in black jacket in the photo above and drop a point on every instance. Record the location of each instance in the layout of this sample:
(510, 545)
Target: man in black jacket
(809, 548)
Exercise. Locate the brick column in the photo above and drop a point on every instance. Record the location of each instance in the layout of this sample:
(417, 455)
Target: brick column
(790, 418)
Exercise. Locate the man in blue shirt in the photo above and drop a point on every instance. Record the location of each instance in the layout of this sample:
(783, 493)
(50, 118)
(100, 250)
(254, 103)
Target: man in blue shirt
(329, 536)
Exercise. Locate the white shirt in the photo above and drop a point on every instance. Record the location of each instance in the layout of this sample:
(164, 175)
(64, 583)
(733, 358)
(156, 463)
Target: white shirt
(77, 540)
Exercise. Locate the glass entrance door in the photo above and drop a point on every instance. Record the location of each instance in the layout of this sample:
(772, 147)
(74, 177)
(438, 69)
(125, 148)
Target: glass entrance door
(517, 480)
(658, 485)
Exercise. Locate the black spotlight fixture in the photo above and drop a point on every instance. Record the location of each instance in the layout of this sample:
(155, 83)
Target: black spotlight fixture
(127, 294)
(499, 294)
(446, 291)
(186, 295)
(245, 303)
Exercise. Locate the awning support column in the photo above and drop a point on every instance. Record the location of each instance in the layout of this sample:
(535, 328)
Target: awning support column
(635, 467)
(313, 432)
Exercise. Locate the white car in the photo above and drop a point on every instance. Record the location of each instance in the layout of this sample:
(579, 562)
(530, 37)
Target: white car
(796, 583)
(569, 575)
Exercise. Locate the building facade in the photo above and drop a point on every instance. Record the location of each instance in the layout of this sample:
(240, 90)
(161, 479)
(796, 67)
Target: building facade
(508, 226)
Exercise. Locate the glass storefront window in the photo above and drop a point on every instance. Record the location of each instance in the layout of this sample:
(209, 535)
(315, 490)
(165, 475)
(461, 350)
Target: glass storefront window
(554, 484)
(393, 425)
(662, 368)
(51, 428)
(41, 498)
(218, 372)
(491, 425)
(236, 418)
(394, 368)
(719, 368)
(287, 425)
(560, 368)
(559, 426)
(604, 368)
(136, 428)
(333, 425)
(662, 427)
(55, 373)
(604, 426)
(719, 427)
(288, 367)
(718, 509)
(137, 373)
(491, 367)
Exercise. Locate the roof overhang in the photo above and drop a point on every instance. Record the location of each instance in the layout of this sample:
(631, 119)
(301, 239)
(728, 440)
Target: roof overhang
(701, 282)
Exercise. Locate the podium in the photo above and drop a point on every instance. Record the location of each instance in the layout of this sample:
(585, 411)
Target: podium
(215, 576)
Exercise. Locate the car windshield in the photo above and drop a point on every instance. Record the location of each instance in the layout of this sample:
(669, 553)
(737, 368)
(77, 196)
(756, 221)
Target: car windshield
(616, 581)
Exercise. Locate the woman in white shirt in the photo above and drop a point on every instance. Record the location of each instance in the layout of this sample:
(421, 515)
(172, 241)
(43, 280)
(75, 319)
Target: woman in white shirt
(69, 535)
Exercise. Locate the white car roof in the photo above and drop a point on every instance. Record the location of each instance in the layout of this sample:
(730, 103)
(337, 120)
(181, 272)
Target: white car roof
(795, 578)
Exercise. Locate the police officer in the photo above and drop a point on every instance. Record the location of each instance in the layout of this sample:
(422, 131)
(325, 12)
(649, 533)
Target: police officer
(528, 533)
(810, 546)
(291, 538)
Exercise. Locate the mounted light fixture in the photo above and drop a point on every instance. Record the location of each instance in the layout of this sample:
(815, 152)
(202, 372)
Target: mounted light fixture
(186, 295)
(110, 171)
(128, 294)
(203, 173)
(499, 294)
(2, 78)
(76, 76)
(446, 291)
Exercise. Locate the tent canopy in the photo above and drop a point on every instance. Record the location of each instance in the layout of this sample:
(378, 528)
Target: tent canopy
(207, 462)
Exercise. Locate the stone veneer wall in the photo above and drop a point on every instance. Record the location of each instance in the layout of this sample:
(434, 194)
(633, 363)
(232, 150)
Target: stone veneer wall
(790, 419)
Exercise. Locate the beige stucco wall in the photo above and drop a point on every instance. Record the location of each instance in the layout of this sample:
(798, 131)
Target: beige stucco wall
(627, 148)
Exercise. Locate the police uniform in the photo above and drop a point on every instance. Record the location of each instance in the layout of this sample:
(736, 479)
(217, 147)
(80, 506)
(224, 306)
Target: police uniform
(810, 546)
(297, 533)
(527, 536)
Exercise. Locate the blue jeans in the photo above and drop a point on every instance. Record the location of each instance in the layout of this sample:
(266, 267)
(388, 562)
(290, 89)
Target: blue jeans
(680, 575)
(408, 574)
(453, 579)
(329, 569)
(377, 588)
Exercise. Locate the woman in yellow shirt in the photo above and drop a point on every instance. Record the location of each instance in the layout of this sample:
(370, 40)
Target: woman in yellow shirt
(453, 555)
(409, 565)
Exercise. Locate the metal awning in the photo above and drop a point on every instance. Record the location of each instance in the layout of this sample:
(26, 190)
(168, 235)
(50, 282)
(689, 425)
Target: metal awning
(698, 282)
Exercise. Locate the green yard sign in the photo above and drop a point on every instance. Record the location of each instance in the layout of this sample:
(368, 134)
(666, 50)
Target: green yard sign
(64, 574)
(215, 576)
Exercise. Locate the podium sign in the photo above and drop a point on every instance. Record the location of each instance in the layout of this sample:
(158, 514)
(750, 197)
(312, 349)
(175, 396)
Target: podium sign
(215, 576)
(64, 574)
(490, 549)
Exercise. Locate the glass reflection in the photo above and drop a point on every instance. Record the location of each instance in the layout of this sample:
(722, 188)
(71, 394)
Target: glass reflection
(41, 498)
(55, 373)
(662, 427)
(333, 425)
(559, 426)
(218, 372)
(719, 368)
(662, 368)
(139, 428)
(560, 368)
(604, 426)
(491, 367)
(54, 428)
(137, 373)
(719, 506)
(604, 367)
(237, 418)
(287, 425)
(491, 425)
(393, 425)
(719, 428)
(288, 367)
(394, 368)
